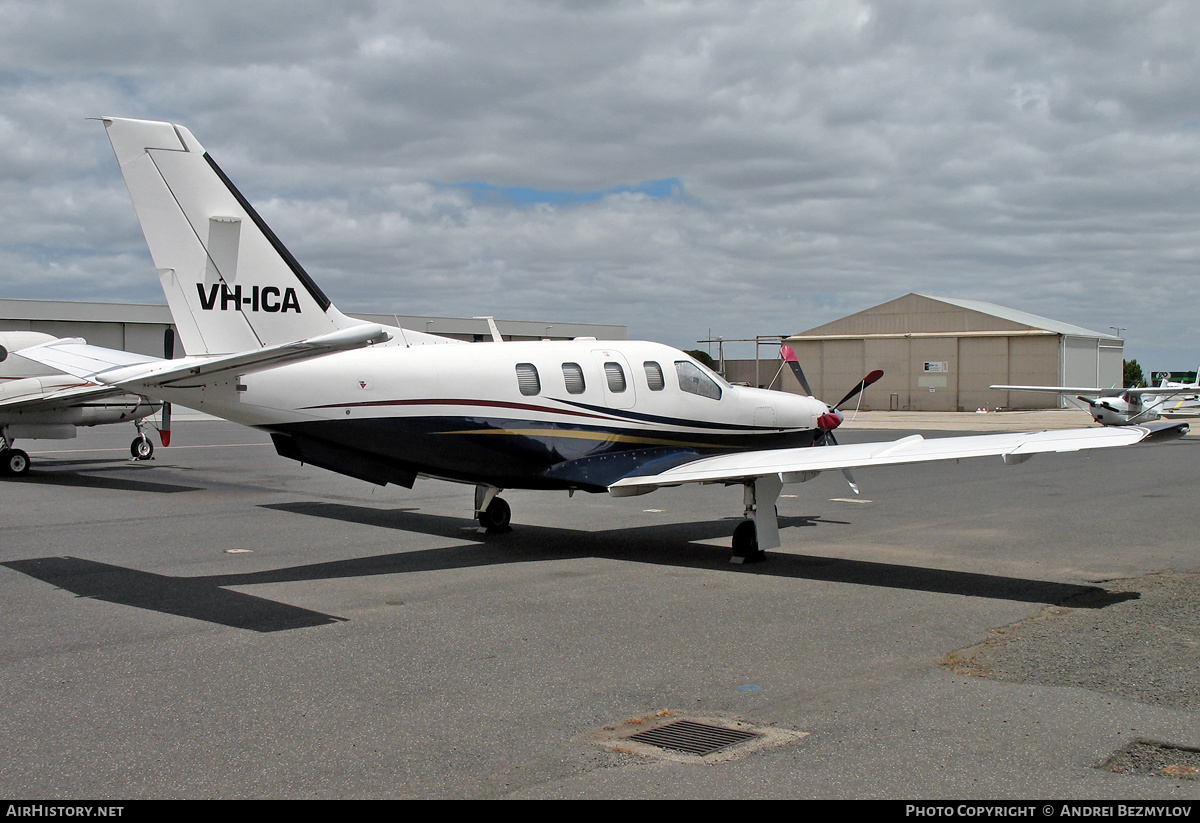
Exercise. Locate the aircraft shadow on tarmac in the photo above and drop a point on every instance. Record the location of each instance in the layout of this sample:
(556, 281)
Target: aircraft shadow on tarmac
(210, 598)
(677, 545)
(101, 474)
(200, 598)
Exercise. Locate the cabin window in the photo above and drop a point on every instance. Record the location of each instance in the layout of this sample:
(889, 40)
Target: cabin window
(573, 376)
(694, 380)
(654, 376)
(616, 377)
(527, 379)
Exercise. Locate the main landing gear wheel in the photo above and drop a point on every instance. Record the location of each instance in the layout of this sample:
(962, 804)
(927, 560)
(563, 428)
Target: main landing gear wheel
(496, 516)
(14, 463)
(141, 448)
(745, 543)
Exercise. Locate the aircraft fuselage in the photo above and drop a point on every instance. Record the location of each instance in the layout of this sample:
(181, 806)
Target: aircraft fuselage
(549, 414)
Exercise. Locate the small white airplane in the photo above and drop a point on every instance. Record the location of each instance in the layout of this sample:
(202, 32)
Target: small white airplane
(1122, 407)
(268, 349)
(1186, 404)
(41, 404)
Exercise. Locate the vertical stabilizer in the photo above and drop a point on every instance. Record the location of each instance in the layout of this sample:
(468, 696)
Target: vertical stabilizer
(230, 283)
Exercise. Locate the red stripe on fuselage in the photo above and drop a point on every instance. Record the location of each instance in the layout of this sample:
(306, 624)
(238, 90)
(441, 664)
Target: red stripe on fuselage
(449, 402)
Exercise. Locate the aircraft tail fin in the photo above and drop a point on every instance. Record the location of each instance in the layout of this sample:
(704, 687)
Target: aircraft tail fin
(231, 284)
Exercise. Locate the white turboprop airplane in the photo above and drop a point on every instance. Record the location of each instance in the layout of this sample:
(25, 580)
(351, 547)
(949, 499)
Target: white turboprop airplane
(267, 348)
(41, 404)
(1123, 407)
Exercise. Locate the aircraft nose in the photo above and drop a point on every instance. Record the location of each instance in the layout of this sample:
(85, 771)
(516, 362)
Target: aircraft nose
(793, 411)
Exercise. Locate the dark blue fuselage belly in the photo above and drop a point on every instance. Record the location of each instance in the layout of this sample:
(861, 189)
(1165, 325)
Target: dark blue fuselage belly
(512, 453)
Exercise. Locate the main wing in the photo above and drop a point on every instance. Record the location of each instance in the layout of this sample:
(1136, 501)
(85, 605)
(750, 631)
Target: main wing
(799, 464)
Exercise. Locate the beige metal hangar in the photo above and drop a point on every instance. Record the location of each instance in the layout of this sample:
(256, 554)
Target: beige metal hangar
(942, 353)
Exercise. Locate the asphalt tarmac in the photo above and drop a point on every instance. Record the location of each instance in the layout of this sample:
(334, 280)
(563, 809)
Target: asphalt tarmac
(221, 622)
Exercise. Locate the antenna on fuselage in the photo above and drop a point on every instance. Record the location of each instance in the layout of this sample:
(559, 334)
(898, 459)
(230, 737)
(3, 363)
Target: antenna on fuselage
(493, 328)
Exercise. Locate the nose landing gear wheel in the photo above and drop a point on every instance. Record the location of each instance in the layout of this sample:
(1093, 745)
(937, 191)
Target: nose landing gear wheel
(496, 516)
(141, 448)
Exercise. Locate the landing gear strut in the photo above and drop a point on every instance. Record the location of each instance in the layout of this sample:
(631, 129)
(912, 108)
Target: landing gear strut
(492, 512)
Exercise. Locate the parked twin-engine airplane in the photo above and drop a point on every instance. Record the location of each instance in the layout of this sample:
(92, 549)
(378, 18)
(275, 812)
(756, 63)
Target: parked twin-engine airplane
(268, 349)
(1124, 407)
(41, 404)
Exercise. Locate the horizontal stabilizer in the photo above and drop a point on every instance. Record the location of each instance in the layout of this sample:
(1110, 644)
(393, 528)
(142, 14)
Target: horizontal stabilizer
(58, 398)
(136, 372)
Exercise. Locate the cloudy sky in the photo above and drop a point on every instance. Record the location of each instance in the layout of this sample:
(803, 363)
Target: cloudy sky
(681, 168)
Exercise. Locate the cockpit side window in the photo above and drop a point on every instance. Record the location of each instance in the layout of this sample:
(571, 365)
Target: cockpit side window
(527, 379)
(695, 380)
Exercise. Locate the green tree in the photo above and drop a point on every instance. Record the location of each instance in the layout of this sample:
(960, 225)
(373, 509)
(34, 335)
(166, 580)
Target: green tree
(703, 358)
(1133, 374)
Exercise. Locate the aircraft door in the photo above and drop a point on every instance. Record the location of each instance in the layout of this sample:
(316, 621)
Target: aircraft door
(619, 392)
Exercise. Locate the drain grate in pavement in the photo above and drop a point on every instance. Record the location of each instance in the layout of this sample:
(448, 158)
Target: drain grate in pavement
(1152, 758)
(666, 736)
(693, 738)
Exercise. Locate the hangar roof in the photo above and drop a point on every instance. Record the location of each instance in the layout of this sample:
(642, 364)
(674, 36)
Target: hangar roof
(924, 313)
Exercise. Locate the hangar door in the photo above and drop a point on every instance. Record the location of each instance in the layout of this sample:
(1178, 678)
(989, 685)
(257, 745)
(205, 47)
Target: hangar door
(1087, 363)
(933, 374)
(982, 361)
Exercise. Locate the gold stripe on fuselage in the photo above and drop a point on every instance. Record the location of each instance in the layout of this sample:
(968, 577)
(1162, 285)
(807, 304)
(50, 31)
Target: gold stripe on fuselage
(602, 437)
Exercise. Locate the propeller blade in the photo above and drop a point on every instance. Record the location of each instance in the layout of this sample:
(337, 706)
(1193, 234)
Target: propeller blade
(850, 479)
(789, 356)
(827, 438)
(866, 381)
(164, 431)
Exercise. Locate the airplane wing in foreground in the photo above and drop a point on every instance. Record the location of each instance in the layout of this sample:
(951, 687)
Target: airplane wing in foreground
(137, 373)
(764, 473)
(796, 465)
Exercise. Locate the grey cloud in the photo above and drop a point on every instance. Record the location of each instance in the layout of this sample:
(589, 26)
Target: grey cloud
(833, 154)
